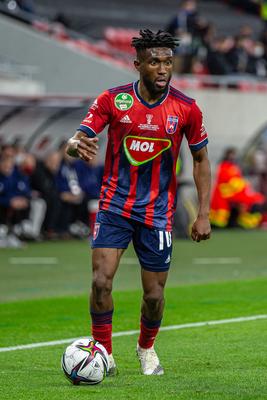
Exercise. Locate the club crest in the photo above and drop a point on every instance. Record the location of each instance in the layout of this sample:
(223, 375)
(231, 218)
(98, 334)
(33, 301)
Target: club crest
(172, 123)
(96, 230)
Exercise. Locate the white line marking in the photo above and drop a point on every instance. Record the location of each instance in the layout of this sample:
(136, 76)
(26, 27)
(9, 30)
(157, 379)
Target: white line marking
(32, 260)
(217, 260)
(135, 332)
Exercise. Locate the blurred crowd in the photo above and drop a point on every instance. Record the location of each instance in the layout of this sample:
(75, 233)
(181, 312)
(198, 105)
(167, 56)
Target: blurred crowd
(203, 51)
(53, 198)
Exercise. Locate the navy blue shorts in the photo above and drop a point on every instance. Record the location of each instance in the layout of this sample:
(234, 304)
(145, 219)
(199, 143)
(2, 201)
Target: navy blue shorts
(152, 246)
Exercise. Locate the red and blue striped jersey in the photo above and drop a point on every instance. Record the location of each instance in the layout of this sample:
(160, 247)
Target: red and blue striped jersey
(143, 145)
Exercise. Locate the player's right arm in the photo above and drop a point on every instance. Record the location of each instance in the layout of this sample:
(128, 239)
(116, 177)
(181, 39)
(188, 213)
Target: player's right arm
(84, 143)
(81, 146)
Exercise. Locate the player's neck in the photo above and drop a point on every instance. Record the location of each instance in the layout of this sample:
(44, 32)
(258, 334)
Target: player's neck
(147, 95)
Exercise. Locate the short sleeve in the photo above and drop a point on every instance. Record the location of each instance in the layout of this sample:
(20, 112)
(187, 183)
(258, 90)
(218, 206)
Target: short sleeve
(98, 116)
(195, 131)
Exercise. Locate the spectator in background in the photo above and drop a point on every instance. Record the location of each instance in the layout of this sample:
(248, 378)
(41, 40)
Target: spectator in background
(73, 209)
(43, 180)
(14, 197)
(233, 201)
(202, 43)
(18, 212)
(184, 25)
(185, 20)
(16, 192)
(246, 56)
(26, 224)
(217, 56)
(30, 228)
(90, 177)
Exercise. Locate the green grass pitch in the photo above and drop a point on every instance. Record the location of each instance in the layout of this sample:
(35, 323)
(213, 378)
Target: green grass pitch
(43, 290)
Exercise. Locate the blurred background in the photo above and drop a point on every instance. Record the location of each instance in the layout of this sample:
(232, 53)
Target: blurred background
(57, 56)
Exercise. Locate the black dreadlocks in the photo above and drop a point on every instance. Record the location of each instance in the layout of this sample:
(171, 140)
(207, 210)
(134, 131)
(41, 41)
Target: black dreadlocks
(150, 39)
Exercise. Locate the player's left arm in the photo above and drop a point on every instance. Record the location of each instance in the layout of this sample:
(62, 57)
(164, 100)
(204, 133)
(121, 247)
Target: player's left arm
(201, 229)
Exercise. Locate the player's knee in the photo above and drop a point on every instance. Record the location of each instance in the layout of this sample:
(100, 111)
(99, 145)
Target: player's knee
(101, 286)
(154, 300)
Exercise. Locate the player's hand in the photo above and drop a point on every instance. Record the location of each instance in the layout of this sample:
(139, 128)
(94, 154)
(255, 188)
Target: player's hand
(201, 229)
(87, 148)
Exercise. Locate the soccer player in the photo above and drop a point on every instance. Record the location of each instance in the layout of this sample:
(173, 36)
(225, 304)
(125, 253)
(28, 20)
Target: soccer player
(147, 121)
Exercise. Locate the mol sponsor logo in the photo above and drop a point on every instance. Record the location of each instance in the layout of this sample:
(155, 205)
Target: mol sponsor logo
(137, 145)
(140, 150)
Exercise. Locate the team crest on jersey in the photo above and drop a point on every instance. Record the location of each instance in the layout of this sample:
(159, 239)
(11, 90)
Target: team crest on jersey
(96, 230)
(140, 150)
(123, 101)
(172, 123)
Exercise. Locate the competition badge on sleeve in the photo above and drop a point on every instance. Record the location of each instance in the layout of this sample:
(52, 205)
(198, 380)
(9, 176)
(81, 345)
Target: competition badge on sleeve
(123, 101)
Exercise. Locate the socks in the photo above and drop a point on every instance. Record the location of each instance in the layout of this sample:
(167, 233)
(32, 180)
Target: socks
(148, 332)
(102, 328)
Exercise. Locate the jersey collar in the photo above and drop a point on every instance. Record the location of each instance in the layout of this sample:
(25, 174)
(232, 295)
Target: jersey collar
(139, 98)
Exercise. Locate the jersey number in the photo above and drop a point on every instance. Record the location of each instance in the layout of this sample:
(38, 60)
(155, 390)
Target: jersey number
(168, 237)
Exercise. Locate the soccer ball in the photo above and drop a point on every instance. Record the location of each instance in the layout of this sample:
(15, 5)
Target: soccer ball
(85, 361)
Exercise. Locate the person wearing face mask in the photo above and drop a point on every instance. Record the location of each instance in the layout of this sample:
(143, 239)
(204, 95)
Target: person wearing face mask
(185, 24)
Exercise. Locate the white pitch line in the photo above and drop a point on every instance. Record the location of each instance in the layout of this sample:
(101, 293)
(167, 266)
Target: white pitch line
(217, 260)
(32, 260)
(135, 332)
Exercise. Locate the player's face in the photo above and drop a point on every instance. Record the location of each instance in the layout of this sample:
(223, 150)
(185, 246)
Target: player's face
(155, 69)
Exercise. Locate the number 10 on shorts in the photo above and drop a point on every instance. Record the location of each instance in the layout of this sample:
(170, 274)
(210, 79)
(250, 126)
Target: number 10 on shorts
(168, 237)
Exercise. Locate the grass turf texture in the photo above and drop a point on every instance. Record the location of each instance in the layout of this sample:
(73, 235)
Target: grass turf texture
(72, 273)
(215, 362)
(218, 362)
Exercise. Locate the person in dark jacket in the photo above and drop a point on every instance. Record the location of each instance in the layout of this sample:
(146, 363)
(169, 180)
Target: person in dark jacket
(44, 181)
(90, 176)
(15, 193)
(73, 208)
